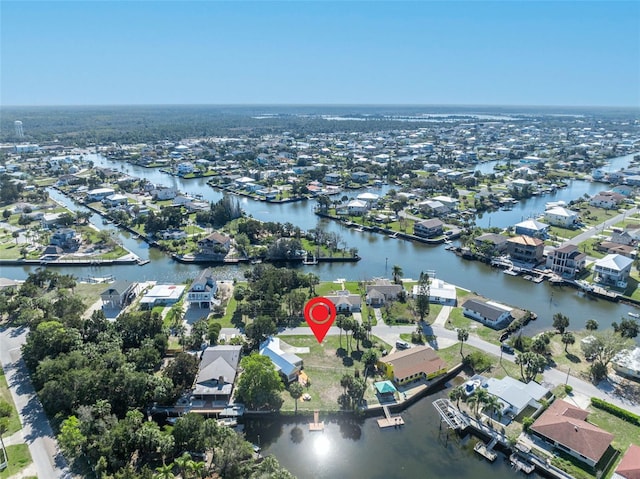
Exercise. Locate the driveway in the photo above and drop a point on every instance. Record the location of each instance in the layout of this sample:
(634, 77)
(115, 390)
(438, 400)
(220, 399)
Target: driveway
(36, 430)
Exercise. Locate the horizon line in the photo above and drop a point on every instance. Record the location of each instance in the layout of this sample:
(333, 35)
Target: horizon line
(511, 105)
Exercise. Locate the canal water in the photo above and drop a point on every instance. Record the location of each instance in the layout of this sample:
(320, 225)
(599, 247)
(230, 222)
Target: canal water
(379, 253)
(351, 449)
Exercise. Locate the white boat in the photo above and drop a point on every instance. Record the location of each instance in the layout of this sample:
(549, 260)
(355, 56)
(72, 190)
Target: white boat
(633, 315)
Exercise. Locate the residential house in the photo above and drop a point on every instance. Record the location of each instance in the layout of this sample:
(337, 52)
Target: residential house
(217, 373)
(562, 217)
(360, 176)
(627, 363)
(357, 207)
(449, 202)
(118, 294)
(345, 301)
(288, 365)
(66, 238)
(489, 313)
(433, 207)
(526, 249)
(629, 466)
(624, 237)
(114, 200)
(606, 199)
(532, 228)
(566, 261)
(419, 362)
(439, 292)
(491, 243)
(202, 291)
(215, 245)
(613, 269)
(564, 426)
(99, 194)
(49, 220)
(610, 247)
(162, 295)
(428, 228)
(371, 199)
(382, 292)
(515, 396)
(332, 178)
(162, 193)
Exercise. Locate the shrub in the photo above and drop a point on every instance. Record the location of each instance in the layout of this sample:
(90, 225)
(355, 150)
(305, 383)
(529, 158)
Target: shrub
(616, 411)
(527, 421)
(568, 389)
(477, 361)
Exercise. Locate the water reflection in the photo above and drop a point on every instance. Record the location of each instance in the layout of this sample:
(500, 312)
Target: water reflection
(321, 446)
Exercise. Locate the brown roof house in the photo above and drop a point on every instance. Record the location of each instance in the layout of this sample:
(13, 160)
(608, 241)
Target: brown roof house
(216, 246)
(629, 467)
(565, 427)
(420, 362)
(525, 248)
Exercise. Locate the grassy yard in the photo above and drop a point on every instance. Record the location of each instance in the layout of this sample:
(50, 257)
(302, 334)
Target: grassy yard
(458, 320)
(625, 433)
(325, 367)
(19, 458)
(5, 395)
(564, 232)
(89, 293)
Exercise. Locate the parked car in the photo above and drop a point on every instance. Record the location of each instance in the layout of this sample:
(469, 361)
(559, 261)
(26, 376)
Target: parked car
(506, 348)
(402, 345)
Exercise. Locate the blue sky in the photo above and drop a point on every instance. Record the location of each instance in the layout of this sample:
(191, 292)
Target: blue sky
(349, 52)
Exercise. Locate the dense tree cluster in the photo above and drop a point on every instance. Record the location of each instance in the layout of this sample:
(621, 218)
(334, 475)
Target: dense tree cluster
(220, 213)
(97, 378)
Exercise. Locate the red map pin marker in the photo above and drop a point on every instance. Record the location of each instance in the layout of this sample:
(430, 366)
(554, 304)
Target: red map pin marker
(320, 314)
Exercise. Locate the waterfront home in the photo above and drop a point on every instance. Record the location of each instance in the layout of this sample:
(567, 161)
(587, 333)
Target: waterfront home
(491, 243)
(114, 200)
(433, 207)
(360, 176)
(382, 291)
(162, 193)
(345, 301)
(566, 261)
(371, 199)
(288, 365)
(216, 245)
(627, 363)
(332, 178)
(98, 194)
(613, 269)
(561, 217)
(624, 237)
(203, 290)
(515, 396)
(629, 466)
(532, 228)
(606, 199)
(49, 220)
(610, 247)
(439, 292)
(66, 238)
(565, 427)
(162, 295)
(489, 313)
(428, 228)
(526, 249)
(357, 207)
(449, 202)
(217, 373)
(118, 294)
(419, 362)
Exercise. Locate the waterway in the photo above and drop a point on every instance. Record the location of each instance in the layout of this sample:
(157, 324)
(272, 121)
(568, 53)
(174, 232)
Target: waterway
(379, 253)
(352, 449)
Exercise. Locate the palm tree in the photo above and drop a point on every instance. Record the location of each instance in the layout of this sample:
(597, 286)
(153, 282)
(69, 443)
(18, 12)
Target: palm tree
(295, 390)
(463, 335)
(492, 405)
(396, 271)
(591, 325)
(456, 394)
(568, 338)
(183, 463)
(340, 325)
(198, 468)
(164, 472)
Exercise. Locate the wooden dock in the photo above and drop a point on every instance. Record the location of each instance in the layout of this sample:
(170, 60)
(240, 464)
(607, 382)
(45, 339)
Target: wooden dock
(482, 449)
(316, 425)
(390, 421)
(520, 464)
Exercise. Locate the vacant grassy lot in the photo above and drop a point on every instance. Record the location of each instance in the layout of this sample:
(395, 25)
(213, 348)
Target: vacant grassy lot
(325, 367)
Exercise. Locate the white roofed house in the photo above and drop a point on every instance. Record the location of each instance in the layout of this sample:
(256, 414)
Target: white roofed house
(383, 291)
(606, 200)
(448, 201)
(627, 363)
(203, 290)
(371, 199)
(559, 216)
(439, 292)
(357, 207)
(288, 365)
(345, 302)
(488, 313)
(516, 396)
(217, 374)
(613, 269)
(532, 228)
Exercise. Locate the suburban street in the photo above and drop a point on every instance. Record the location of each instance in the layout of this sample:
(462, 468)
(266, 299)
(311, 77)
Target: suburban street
(48, 462)
(594, 230)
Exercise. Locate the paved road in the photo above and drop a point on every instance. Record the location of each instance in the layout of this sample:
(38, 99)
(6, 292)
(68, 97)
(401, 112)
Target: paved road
(594, 230)
(36, 430)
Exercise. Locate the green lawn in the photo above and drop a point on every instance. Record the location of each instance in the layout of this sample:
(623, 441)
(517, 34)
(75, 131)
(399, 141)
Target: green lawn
(625, 433)
(19, 458)
(89, 293)
(5, 395)
(325, 368)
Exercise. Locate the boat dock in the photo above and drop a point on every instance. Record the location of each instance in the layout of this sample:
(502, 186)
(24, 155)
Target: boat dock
(316, 425)
(520, 464)
(389, 420)
(485, 451)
